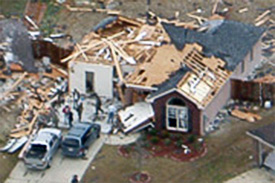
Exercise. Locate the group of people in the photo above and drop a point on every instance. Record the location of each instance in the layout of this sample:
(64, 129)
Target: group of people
(77, 105)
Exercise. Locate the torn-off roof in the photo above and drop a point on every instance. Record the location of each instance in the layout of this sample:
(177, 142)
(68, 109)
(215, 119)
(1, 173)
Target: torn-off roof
(230, 41)
(201, 82)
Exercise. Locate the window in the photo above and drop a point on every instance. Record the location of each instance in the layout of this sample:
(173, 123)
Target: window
(176, 115)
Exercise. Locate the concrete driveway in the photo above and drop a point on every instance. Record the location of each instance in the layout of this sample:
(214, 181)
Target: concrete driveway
(255, 175)
(61, 171)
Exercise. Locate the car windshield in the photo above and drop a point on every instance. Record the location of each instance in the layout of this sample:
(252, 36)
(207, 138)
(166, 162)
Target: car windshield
(37, 151)
(71, 142)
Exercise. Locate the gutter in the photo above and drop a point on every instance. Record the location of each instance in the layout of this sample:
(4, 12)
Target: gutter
(260, 140)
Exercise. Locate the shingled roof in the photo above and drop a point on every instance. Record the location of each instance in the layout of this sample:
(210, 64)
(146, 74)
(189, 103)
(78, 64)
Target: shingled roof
(265, 133)
(228, 40)
(171, 83)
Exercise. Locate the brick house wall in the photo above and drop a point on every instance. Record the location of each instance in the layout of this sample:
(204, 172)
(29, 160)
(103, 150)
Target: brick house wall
(159, 107)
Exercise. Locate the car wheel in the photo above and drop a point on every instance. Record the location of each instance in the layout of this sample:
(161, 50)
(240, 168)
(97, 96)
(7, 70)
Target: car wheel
(98, 135)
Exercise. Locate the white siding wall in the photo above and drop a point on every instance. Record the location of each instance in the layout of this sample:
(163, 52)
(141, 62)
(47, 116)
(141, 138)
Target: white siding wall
(103, 77)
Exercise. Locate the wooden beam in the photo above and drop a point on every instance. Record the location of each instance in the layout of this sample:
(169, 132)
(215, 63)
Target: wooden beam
(262, 15)
(74, 55)
(14, 85)
(261, 22)
(82, 52)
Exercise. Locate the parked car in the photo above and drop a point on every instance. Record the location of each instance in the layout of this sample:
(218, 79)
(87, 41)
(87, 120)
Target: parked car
(79, 138)
(40, 152)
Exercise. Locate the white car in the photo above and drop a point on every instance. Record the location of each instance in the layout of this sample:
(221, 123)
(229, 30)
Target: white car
(40, 152)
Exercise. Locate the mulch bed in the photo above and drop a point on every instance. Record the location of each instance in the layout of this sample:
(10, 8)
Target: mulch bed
(140, 177)
(171, 150)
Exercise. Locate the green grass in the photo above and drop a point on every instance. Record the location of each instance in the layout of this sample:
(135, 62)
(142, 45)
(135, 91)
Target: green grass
(51, 18)
(16, 7)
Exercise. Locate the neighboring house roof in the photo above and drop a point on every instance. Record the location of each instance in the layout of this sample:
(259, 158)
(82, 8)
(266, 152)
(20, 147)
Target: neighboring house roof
(16, 36)
(265, 134)
(228, 40)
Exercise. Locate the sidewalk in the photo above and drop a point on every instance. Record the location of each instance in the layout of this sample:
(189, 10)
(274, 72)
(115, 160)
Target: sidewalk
(255, 175)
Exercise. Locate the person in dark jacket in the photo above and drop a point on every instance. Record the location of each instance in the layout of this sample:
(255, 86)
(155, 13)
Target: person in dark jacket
(97, 104)
(79, 110)
(75, 179)
(70, 118)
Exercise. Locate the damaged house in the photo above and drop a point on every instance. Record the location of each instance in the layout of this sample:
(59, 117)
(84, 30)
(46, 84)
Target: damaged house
(172, 77)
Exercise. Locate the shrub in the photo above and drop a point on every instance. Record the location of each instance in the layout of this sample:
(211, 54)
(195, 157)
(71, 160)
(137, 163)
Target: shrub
(179, 142)
(191, 138)
(164, 134)
(153, 131)
(197, 146)
(154, 140)
(167, 141)
(176, 136)
(143, 137)
(146, 145)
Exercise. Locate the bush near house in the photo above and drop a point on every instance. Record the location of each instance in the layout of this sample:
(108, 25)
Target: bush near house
(169, 145)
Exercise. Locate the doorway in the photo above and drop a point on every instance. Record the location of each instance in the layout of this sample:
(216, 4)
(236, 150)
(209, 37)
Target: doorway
(89, 82)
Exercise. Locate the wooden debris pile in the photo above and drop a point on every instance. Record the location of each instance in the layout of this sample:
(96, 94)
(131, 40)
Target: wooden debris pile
(35, 94)
(126, 42)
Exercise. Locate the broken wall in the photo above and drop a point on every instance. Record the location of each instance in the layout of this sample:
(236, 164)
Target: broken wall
(43, 48)
(102, 78)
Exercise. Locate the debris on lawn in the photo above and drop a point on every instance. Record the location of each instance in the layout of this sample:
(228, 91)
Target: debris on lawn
(248, 116)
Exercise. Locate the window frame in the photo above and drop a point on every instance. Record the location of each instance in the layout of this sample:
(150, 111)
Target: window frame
(186, 122)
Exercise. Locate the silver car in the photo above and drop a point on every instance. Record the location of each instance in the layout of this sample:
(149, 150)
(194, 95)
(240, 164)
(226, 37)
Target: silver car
(40, 152)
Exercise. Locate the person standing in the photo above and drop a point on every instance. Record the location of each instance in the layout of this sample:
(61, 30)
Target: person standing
(70, 118)
(111, 114)
(76, 98)
(97, 104)
(75, 179)
(79, 110)
(65, 111)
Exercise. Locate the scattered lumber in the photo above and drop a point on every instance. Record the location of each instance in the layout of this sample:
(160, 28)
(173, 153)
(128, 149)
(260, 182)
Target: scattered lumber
(248, 116)
(243, 10)
(261, 22)
(78, 9)
(266, 79)
(262, 15)
(199, 18)
(15, 84)
(215, 6)
(31, 22)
